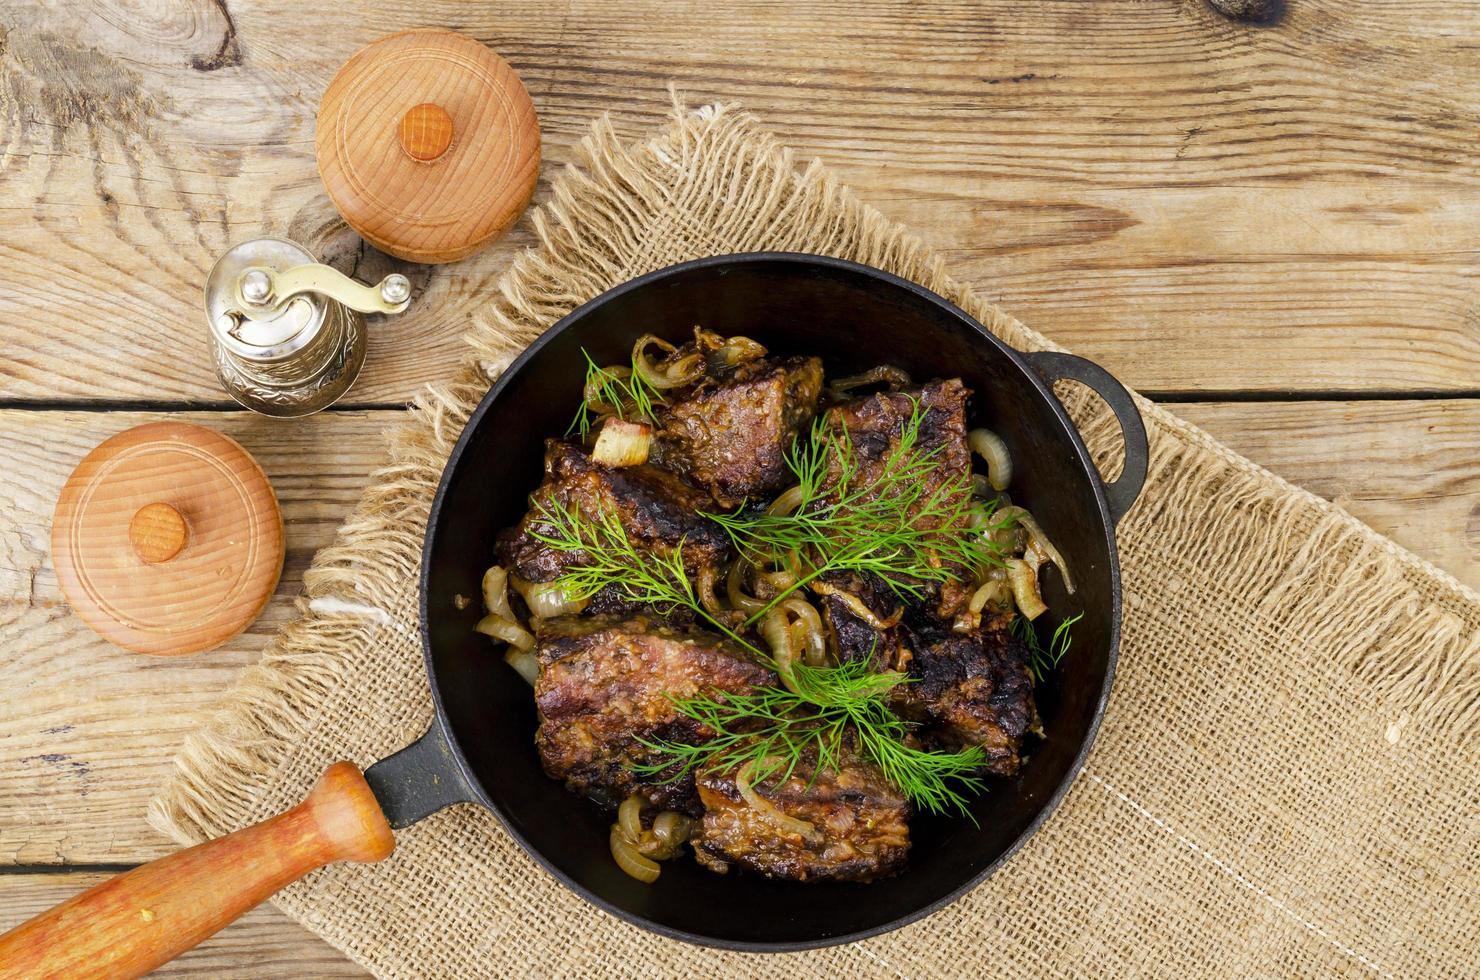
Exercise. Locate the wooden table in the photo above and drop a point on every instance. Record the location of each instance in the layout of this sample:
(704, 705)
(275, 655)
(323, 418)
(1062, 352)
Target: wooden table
(1273, 227)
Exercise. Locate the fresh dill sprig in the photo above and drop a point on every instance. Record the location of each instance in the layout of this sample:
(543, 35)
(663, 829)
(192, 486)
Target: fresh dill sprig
(903, 525)
(773, 727)
(605, 386)
(608, 558)
(832, 708)
(1043, 659)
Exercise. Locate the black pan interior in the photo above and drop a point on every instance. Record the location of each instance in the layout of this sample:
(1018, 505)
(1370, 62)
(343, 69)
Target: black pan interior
(854, 318)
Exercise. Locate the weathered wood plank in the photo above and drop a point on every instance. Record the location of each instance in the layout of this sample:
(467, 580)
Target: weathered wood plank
(1197, 203)
(1409, 469)
(263, 944)
(87, 732)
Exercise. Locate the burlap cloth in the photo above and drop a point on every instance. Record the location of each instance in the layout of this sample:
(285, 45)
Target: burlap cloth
(1286, 782)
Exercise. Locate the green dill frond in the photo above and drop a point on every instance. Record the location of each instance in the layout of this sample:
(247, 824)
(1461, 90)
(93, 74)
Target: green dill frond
(609, 558)
(1043, 659)
(832, 710)
(937, 782)
(631, 395)
(653, 577)
(903, 526)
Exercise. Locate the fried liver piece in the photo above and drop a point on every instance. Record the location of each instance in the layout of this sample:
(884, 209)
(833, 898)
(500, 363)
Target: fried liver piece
(658, 511)
(875, 425)
(854, 635)
(730, 432)
(860, 825)
(970, 689)
(605, 683)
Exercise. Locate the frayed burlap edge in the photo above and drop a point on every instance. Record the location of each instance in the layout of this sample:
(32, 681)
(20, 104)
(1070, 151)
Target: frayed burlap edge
(1407, 631)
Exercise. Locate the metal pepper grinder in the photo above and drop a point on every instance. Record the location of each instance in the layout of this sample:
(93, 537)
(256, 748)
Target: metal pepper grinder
(288, 334)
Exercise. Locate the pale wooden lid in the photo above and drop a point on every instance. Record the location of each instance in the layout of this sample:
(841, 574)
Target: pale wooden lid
(427, 143)
(167, 539)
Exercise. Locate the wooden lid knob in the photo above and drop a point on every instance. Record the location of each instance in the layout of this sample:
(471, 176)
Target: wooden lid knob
(157, 532)
(167, 539)
(427, 143)
(426, 131)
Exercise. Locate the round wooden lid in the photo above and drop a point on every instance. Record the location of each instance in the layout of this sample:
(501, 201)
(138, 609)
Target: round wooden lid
(428, 144)
(167, 539)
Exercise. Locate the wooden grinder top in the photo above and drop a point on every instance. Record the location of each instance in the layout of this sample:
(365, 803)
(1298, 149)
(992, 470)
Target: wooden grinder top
(427, 143)
(167, 539)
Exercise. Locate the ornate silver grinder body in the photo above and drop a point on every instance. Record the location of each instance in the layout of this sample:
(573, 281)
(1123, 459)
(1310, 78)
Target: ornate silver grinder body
(287, 334)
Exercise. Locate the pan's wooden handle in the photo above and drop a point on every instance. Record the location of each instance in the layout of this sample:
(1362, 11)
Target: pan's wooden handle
(128, 925)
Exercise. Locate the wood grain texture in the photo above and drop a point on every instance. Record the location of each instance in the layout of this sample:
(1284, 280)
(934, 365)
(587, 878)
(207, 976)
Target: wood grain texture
(264, 945)
(426, 131)
(1197, 203)
(389, 170)
(1410, 469)
(157, 532)
(86, 732)
(126, 926)
(167, 538)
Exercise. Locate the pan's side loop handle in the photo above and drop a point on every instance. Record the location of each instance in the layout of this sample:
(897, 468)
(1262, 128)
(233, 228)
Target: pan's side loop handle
(1053, 365)
(420, 779)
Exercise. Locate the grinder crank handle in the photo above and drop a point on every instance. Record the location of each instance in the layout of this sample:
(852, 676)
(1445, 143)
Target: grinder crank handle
(143, 918)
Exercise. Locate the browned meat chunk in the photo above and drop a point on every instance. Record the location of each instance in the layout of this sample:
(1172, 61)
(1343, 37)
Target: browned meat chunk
(607, 685)
(875, 424)
(970, 689)
(657, 510)
(862, 618)
(731, 432)
(859, 825)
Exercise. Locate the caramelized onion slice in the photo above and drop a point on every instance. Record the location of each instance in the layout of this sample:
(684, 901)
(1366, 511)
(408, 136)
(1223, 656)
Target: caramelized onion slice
(990, 447)
(704, 586)
(883, 374)
(524, 662)
(629, 818)
(1039, 547)
(992, 591)
(807, 635)
(503, 628)
(857, 607)
(737, 350)
(672, 828)
(1023, 578)
(735, 590)
(496, 592)
(622, 443)
(547, 599)
(787, 502)
(625, 853)
(778, 581)
(636, 850)
(674, 374)
(768, 812)
(777, 634)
